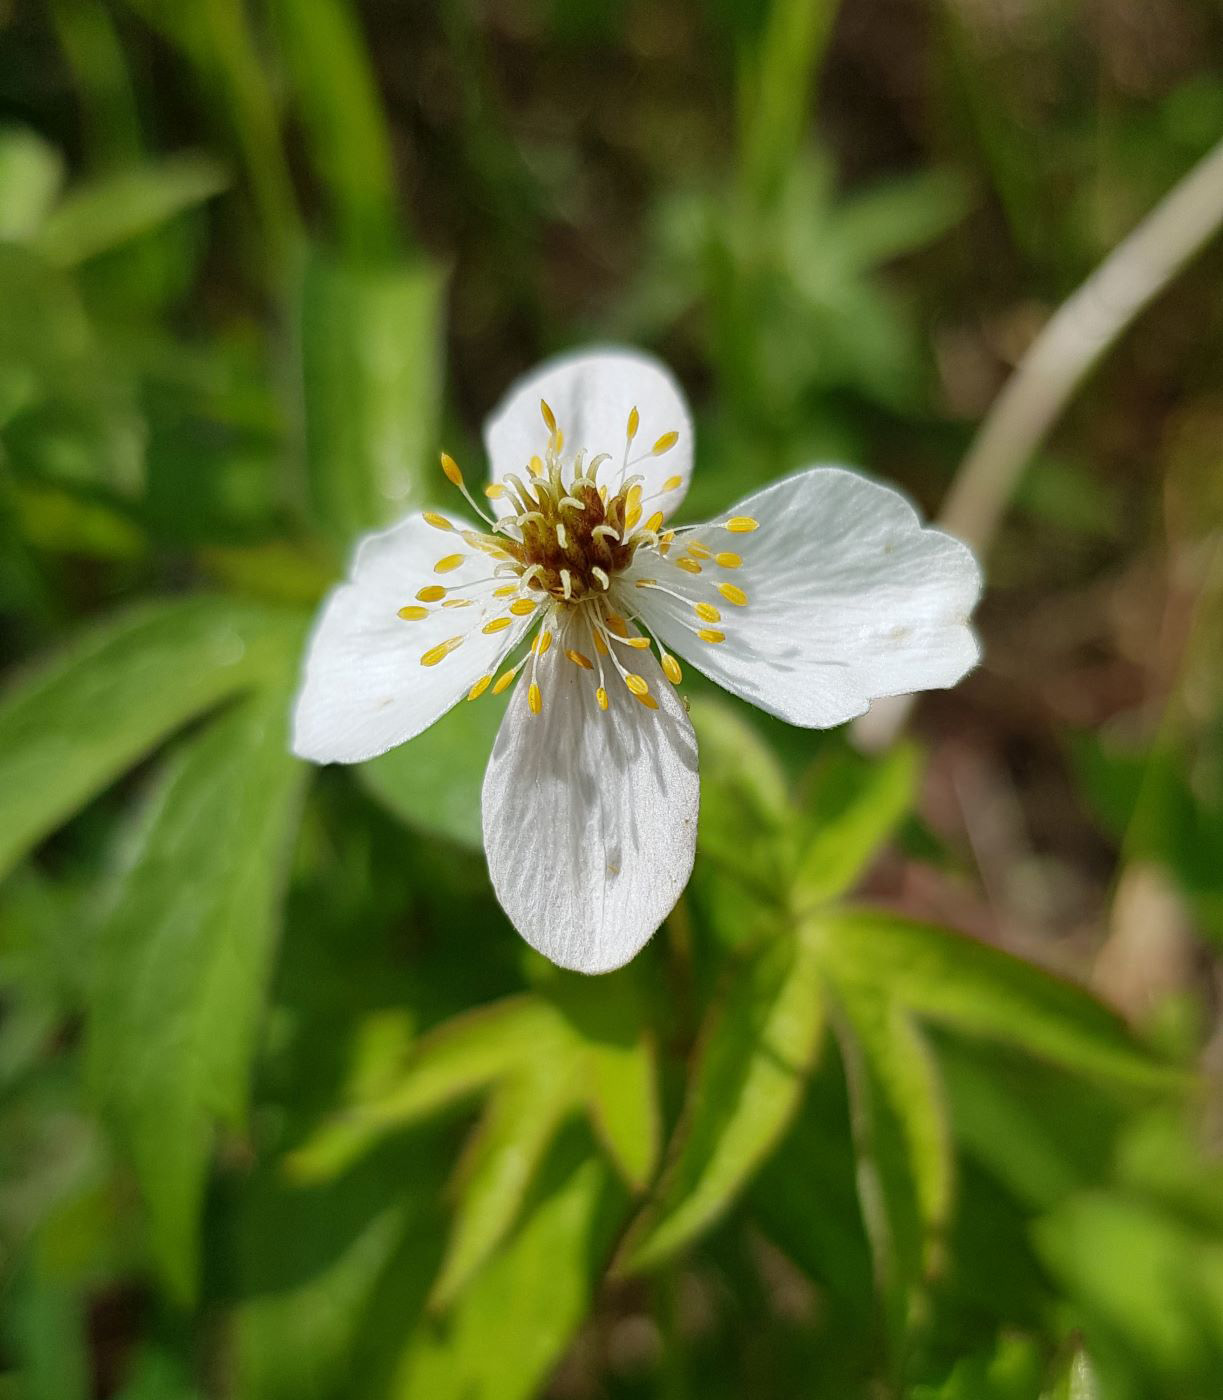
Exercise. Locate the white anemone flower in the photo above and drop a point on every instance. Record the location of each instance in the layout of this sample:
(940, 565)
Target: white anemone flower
(811, 598)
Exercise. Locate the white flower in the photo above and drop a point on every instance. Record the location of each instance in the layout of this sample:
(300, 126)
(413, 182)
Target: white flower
(810, 598)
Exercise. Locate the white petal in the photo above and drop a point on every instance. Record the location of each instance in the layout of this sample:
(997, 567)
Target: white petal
(849, 599)
(592, 395)
(365, 689)
(590, 816)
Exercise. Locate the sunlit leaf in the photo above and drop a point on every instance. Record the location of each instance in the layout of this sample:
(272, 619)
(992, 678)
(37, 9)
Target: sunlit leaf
(855, 806)
(369, 341)
(515, 1319)
(183, 960)
(501, 1160)
(76, 723)
(752, 1061)
(115, 209)
(978, 988)
(31, 173)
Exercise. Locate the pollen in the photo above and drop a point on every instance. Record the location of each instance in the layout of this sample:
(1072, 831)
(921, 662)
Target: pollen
(639, 643)
(601, 698)
(498, 624)
(494, 490)
(707, 634)
(647, 700)
(535, 698)
(507, 590)
(733, 594)
(439, 522)
(439, 653)
(634, 422)
(448, 563)
(742, 524)
(480, 687)
(671, 669)
(616, 624)
(636, 683)
(548, 415)
(412, 614)
(458, 603)
(689, 566)
(579, 660)
(707, 612)
(504, 681)
(699, 551)
(727, 560)
(451, 468)
(542, 642)
(431, 593)
(673, 483)
(520, 607)
(664, 444)
(535, 466)
(654, 522)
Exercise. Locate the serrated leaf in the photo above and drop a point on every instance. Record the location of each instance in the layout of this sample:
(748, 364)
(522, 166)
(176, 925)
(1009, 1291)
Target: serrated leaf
(855, 806)
(977, 988)
(451, 1063)
(113, 210)
(903, 1145)
(183, 960)
(500, 1162)
(369, 341)
(69, 728)
(513, 1322)
(757, 1047)
(433, 782)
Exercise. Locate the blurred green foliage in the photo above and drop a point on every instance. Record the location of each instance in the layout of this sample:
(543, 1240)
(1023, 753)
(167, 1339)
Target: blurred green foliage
(286, 1109)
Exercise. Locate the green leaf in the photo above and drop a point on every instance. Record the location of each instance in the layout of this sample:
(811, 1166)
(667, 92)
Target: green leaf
(370, 370)
(116, 209)
(855, 806)
(514, 1320)
(75, 725)
(980, 989)
(183, 960)
(451, 1063)
(500, 1162)
(434, 782)
(340, 109)
(31, 174)
(903, 1145)
(756, 1049)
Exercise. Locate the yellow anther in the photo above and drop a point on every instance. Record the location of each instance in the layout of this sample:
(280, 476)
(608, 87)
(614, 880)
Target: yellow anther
(646, 582)
(448, 563)
(603, 494)
(636, 684)
(633, 496)
(647, 700)
(634, 422)
(437, 653)
(579, 660)
(654, 521)
(458, 603)
(494, 490)
(733, 594)
(742, 525)
(507, 590)
(431, 593)
(664, 444)
(412, 614)
(707, 634)
(727, 560)
(670, 669)
(498, 624)
(639, 643)
(707, 612)
(479, 688)
(699, 551)
(633, 516)
(673, 483)
(542, 642)
(534, 698)
(504, 681)
(549, 416)
(601, 697)
(535, 466)
(439, 522)
(600, 644)
(558, 440)
(664, 541)
(521, 606)
(616, 624)
(689, 566)
(451, 468)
